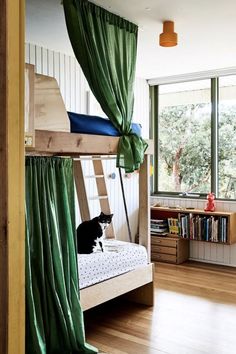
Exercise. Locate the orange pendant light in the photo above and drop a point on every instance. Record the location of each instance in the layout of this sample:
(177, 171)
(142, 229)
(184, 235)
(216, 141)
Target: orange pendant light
(168, 38)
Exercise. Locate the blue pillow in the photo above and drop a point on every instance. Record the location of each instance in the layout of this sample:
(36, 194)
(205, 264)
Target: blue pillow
(86, 124)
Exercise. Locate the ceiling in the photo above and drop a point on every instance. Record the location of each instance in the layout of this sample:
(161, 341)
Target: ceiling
(206, 31)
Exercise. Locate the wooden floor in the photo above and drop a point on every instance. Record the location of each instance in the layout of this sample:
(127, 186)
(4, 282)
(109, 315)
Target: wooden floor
(194, 313)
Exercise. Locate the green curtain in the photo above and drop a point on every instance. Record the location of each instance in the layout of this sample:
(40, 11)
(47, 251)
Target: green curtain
(105, 46)
(54, 320)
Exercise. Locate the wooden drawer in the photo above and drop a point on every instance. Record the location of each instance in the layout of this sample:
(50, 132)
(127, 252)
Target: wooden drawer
(161, 257)
(165, 250)
(161, 241)
(169, 249)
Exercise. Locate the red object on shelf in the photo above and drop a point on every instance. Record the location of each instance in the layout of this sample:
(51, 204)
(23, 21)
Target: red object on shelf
(210, 204)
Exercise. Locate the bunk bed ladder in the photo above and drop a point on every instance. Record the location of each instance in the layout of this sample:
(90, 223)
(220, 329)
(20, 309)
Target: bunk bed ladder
(101, 189)
(81, 191)
(102, 193)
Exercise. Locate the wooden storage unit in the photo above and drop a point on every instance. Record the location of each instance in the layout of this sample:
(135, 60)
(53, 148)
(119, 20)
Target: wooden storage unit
(169, 249)
(230, 217)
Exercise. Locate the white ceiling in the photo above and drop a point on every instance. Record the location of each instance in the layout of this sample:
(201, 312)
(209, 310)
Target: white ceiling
(206, 31)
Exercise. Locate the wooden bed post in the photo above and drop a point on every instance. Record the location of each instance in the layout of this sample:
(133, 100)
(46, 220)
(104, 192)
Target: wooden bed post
(12, 235)
(144, 205)
(145, 293)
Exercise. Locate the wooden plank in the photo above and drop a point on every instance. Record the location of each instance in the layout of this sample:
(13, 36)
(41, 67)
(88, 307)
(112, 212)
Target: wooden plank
(4, 182)
(16, 178)
(231, 229)
(12, 235)
(193, 211)
(182, 251)
(144, 205)
(63, 143)
(102, 191)
(111, 288)
(81, 191)
(50, 111)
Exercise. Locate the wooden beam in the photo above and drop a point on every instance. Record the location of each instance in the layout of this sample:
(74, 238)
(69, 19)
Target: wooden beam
(12, 236)
(63, 143)
(4, 182)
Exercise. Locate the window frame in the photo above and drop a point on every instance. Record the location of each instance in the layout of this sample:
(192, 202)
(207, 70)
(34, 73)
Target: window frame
(154, 134)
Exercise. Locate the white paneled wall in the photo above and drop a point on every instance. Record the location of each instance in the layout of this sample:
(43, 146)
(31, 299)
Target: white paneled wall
(75, 92)
(202, 251)
(66, 70)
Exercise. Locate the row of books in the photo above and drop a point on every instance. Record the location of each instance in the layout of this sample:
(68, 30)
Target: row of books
(159, 227)
(202, 227)
(194, 227)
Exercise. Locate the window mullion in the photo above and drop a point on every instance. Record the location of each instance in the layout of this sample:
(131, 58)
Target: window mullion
(214, 136)
(154, 134)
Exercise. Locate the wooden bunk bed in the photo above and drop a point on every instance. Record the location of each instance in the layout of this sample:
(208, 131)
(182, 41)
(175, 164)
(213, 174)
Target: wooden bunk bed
(44, 92)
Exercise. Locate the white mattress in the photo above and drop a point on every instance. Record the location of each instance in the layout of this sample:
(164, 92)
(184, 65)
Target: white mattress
(119, 257)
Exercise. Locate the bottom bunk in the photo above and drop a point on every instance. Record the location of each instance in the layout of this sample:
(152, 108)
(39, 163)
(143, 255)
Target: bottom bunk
(122, 268)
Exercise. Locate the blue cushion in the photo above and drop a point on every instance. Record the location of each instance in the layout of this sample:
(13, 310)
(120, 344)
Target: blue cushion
(86, 124)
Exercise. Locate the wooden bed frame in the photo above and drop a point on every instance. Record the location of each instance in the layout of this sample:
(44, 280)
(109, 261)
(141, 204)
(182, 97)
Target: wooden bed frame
(136, 284)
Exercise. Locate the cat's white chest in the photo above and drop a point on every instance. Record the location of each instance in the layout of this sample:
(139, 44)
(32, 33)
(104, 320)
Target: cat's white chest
(103, 227)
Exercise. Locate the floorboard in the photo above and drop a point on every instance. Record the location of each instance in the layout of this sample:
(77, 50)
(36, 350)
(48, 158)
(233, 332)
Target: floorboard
(194, 313)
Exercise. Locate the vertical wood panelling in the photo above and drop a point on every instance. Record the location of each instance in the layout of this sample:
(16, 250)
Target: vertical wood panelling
(141, 105)
(56, 67)
(27, 53)
(32, 52)
(38, 59)
(50, 61)
(44, 59)
(78, 99)
(62, 75)
(201, 251)
(67, 73)
(72, 84)
(213, 252)
(67, 92)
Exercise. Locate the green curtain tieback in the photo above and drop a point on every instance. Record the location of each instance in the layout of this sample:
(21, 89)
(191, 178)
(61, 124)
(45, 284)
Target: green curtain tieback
(131, 152)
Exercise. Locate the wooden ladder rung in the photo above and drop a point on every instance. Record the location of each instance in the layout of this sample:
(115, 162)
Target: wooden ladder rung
(95, 176)
(99, 197)
(102, 193)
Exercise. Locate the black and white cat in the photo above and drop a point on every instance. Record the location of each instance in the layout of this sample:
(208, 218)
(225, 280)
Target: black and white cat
(90, 234)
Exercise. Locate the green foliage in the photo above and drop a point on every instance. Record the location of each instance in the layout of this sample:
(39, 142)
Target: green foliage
(185, 146)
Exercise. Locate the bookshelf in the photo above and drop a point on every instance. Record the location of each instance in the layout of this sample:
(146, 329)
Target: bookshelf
(197, 225)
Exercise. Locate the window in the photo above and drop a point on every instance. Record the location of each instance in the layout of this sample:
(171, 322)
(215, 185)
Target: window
(195, 136)
(227, 137)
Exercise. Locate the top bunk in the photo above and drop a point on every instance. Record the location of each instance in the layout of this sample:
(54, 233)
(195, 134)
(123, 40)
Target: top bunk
(47, 125)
